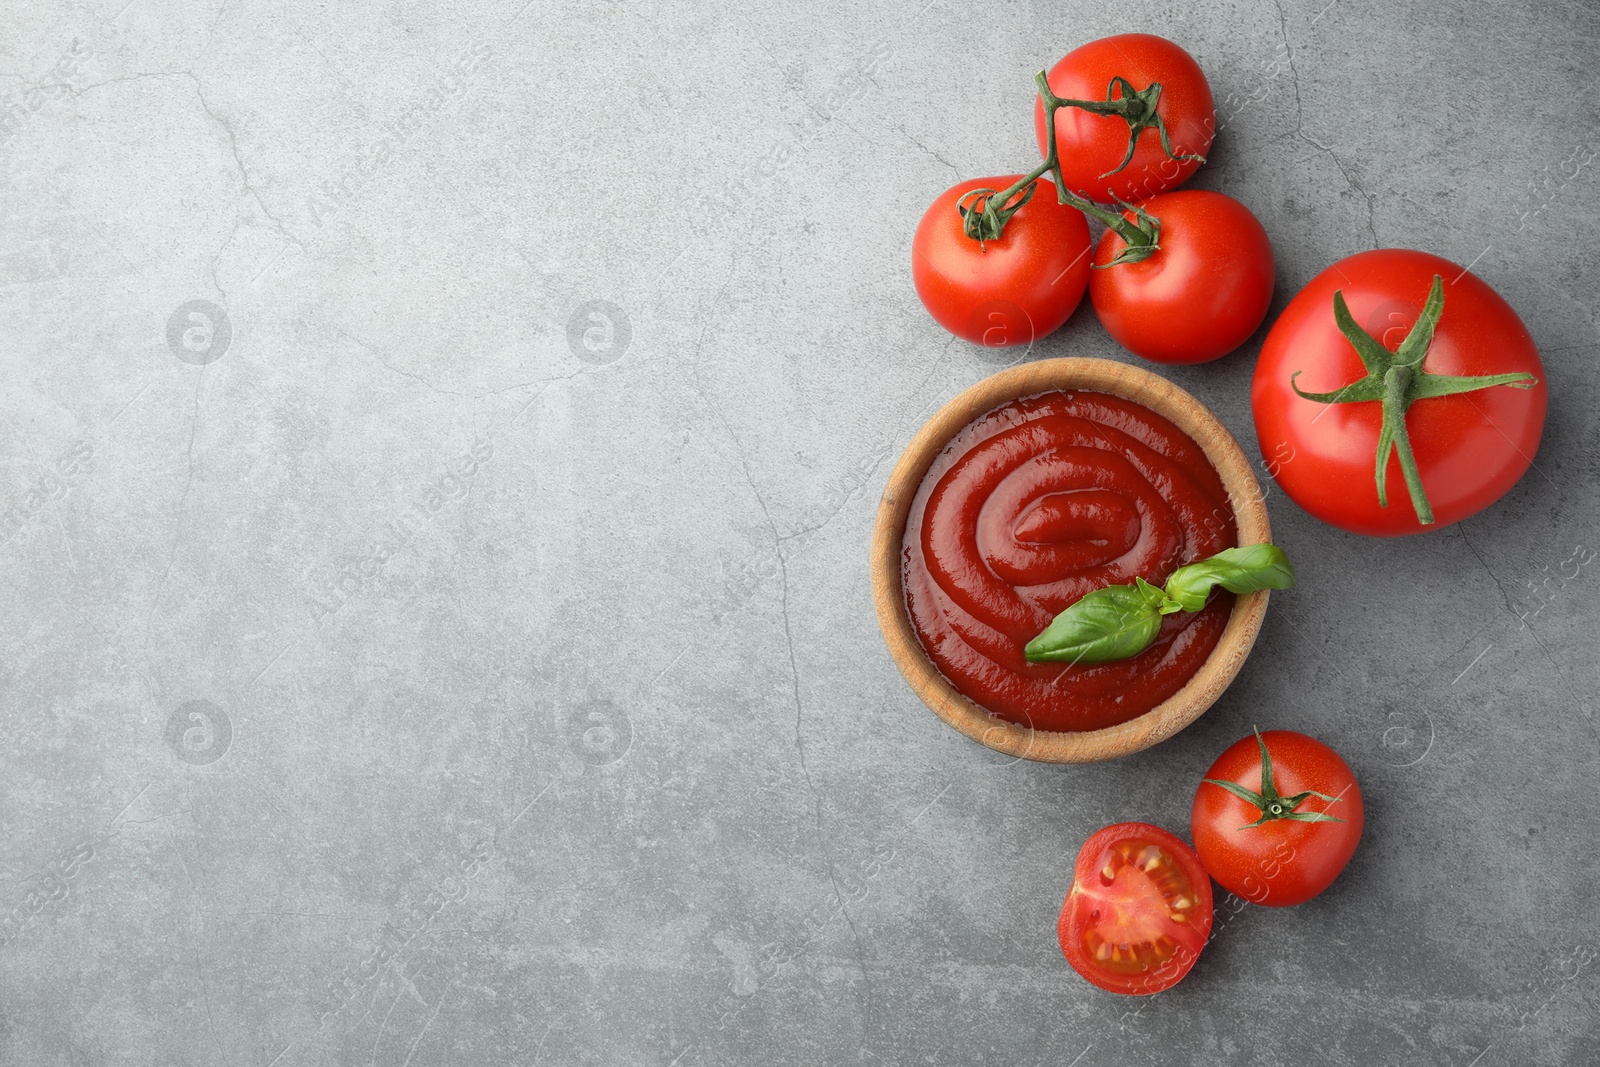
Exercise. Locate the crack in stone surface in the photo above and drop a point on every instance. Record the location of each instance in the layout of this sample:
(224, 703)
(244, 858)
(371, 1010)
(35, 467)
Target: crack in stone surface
(794, 677)
(1300, 130)
(244, 174)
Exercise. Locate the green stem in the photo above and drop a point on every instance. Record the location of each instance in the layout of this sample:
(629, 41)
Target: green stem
(1131, 107)
(984, 218)
(1136, 107)
(1396, 398)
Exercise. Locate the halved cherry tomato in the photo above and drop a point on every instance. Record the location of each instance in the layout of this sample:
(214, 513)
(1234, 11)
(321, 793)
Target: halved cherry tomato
(1009, 290)
(1093, 146)
(1277, 817)
(1139, 910)
(1201, 294)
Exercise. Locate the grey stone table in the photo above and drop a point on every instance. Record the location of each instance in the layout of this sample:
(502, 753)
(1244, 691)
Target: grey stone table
(438, 450)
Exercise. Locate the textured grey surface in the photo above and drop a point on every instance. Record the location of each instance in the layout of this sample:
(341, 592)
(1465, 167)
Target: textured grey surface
(543, 714)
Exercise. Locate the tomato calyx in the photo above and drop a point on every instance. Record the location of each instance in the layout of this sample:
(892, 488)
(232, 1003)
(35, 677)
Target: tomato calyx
(984, 218)
(1136, 107)
(1397, 380)
(1141, 236)
(1269, 801)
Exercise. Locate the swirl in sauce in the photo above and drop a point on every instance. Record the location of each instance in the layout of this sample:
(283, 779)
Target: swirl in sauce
(1029, 508)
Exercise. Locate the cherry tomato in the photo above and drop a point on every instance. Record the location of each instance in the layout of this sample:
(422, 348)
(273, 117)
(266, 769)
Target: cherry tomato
(1279, 837)
(1139, 910)
(1093, 146)
(1009, 290)
(1469, 447)
(1201, 294)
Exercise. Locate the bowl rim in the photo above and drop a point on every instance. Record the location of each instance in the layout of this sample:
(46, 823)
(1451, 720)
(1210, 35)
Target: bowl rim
(1042, 376)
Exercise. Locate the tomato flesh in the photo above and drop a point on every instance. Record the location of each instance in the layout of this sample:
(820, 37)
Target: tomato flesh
(1139, 910)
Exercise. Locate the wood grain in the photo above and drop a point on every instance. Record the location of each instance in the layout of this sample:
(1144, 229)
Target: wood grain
(1166, 718)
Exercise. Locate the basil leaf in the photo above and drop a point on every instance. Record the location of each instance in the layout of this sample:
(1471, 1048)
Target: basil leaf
(1238, 570)
(1121, 621)
(1113, 623)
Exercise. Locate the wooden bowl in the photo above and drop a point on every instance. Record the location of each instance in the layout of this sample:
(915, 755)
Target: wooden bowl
(1049, 746)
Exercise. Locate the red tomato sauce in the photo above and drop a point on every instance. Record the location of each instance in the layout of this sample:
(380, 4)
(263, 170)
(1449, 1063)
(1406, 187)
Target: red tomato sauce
(1037, 503)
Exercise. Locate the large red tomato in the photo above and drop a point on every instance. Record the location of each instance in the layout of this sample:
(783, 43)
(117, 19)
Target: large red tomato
(1139, 910)
(1007, 290)
(1093, 147)
(1277, 817)
(1201, 294)
(1471, 439)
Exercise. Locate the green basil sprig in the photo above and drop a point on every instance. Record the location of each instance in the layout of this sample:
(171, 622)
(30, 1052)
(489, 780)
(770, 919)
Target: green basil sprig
(1121, 621)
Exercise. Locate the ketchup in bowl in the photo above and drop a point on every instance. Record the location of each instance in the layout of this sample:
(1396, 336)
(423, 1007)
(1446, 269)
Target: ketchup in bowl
(1030, 507)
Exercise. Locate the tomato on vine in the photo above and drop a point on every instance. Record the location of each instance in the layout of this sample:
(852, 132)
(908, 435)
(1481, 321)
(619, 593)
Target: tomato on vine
(1195, 298)
(1139, 117)
(1189, 285)
(1009, 285)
